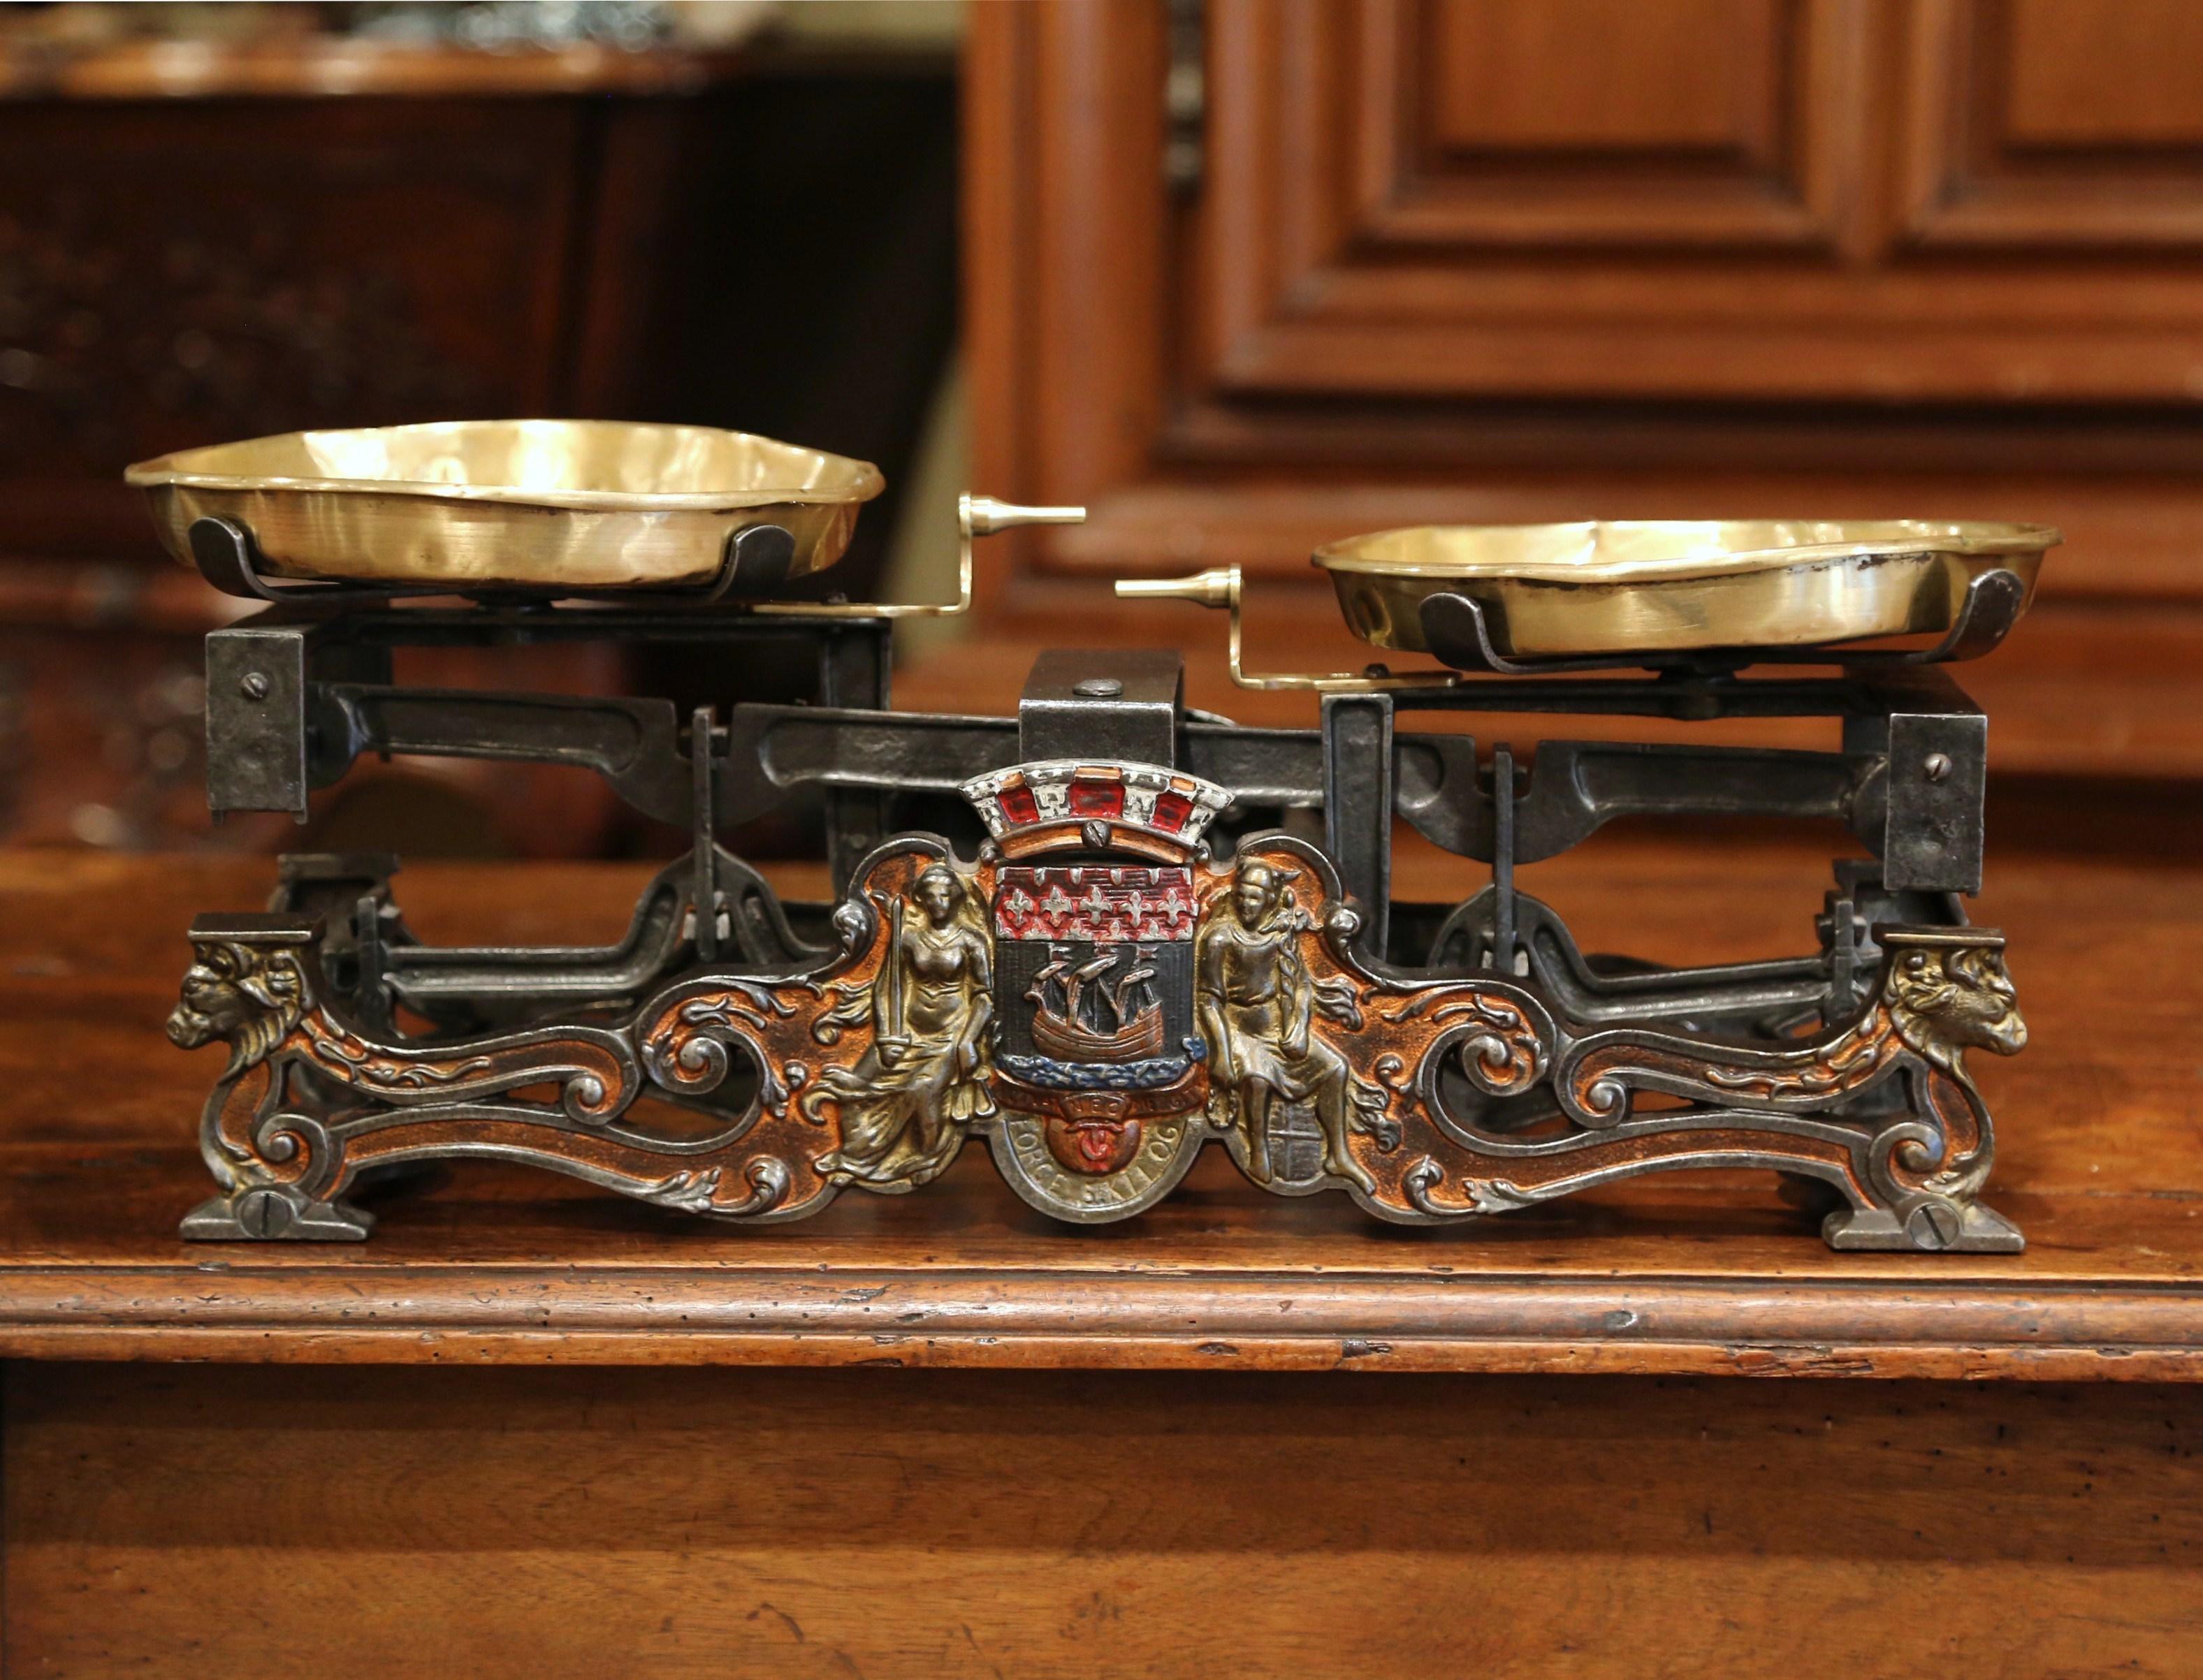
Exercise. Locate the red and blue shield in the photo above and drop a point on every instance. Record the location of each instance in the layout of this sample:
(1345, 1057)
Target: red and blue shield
(1094, 996)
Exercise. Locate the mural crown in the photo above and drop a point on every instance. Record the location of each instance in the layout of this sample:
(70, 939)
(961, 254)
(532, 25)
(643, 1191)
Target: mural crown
(1096, 804)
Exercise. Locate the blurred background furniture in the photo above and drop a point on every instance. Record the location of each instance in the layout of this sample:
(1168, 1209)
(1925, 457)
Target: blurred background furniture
(305, 222)
(1245, 277)
(1242, 277)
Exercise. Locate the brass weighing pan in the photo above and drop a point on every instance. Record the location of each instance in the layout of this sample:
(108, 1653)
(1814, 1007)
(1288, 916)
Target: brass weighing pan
(1627, 587)
(582, 504)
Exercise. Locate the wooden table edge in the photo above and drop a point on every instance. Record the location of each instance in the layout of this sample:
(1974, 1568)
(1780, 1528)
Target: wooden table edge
(1041, 1319)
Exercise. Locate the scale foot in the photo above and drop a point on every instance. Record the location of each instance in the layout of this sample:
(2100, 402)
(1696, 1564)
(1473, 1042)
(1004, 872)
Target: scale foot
(266, 1214)
(1930, 1227)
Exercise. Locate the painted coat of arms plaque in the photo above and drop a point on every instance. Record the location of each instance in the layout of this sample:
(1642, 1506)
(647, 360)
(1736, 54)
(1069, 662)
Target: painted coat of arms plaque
(1100, 1074)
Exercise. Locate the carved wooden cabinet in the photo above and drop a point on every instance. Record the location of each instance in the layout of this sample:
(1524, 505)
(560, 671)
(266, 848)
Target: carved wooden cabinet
(179, 270)
(220, 243)
(1701, 199)
(1252, 274)
(175, 272)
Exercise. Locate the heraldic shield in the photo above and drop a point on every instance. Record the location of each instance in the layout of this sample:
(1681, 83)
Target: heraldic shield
(1100, 1076)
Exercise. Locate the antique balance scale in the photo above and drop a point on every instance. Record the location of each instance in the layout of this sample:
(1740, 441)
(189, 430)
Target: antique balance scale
(1080, 933)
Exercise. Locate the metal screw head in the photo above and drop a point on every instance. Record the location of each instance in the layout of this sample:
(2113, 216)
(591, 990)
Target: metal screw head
(1097, 688)
(1933, 1226)
(1936, 766)
(263, 1213)
(253, 685)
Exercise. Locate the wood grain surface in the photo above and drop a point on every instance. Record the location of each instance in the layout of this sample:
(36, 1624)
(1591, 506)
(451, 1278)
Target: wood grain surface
(257, 1477)
(2098, 1164)
(248, 1521)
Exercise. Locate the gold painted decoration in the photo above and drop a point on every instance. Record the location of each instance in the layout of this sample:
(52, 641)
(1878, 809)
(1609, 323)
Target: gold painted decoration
(905, 1105)
(1098, 1008)
(1259, 1005)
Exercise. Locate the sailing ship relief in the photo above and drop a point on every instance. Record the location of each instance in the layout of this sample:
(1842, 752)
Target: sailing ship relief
(1100, 1077)
(1095, 975)
(1071, 997)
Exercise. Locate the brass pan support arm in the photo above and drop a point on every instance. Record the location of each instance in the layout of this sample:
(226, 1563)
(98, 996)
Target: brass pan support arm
(1220, 587)
(976, 516)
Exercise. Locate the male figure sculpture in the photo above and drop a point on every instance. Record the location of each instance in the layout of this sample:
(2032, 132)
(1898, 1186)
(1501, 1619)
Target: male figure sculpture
(1256, 1003)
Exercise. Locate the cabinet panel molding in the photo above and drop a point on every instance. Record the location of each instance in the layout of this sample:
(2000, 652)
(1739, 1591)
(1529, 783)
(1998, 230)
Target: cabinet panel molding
(2053, 126)
(1602, 125)
(1407, 288)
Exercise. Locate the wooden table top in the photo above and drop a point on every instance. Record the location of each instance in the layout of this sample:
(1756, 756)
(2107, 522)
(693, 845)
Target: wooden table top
(2101, 1163)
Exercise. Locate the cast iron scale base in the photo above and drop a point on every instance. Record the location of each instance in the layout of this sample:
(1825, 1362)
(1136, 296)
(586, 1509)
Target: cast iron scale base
(1100, 935)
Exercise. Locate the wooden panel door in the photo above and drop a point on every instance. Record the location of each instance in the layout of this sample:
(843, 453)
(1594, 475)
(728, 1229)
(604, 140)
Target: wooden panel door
(1518, 198)
(1761, 200)
(1462, 259)
(2068, 127)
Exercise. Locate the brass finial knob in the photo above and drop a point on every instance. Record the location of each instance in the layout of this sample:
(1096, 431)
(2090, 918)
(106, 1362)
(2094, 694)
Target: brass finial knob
(1218, 586)
(982, 515)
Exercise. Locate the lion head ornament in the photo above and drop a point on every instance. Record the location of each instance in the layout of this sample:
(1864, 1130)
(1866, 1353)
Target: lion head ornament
(1948, 994)
(250, 995)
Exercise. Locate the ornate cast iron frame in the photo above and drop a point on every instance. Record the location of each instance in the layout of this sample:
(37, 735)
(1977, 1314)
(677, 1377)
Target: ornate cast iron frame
(1221, 894)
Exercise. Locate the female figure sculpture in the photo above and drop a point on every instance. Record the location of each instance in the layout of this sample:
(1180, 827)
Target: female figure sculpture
(904, 1107)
